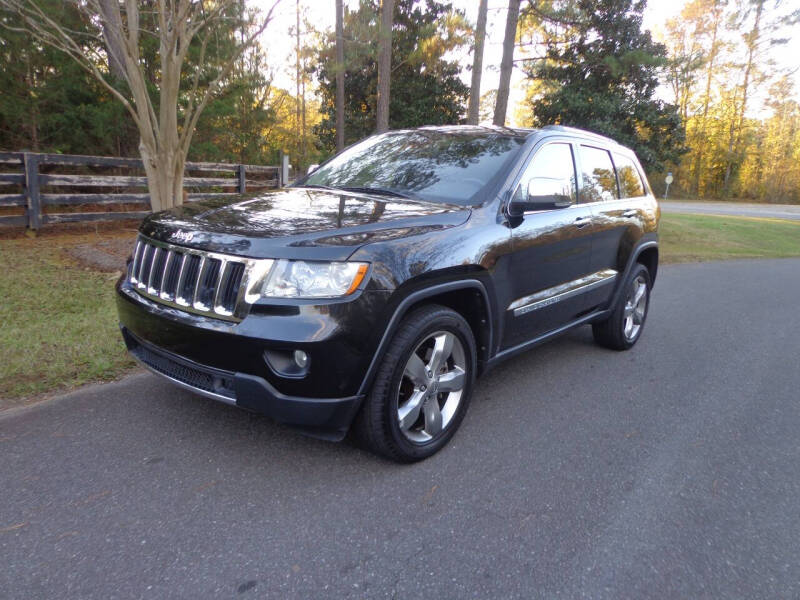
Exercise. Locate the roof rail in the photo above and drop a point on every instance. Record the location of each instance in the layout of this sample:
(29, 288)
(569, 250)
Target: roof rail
(583, 132)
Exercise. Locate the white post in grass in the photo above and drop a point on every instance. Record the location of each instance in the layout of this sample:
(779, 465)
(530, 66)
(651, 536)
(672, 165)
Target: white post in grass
(668, 179)
(284, 169)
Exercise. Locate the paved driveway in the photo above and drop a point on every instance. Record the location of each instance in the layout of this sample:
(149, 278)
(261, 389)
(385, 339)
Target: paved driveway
(671, 471)
(740, 209)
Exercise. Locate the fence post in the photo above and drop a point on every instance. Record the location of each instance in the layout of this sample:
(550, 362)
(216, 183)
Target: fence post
(32, 190)
(284, 169)
(242, 187)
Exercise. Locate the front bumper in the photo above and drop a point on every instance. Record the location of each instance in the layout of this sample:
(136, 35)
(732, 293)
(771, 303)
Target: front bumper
(327, 418)
(226, 361)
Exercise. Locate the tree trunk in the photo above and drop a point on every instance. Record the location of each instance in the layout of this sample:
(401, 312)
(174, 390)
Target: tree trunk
(507, 63)
(112, 23)
(384, 65)
(303, 138)
(34, 104)
(339, 76)
(752, 41)
(698, 165)
(729, 155)
(164, 169)
(297, 84)
(477, 66)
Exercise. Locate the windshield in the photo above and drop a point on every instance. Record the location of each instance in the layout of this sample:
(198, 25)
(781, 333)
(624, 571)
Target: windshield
(451, 167)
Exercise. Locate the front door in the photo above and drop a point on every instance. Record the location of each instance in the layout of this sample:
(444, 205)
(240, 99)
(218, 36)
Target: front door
(551, 253)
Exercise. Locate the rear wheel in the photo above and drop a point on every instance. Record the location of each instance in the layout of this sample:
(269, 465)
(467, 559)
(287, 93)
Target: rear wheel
(422, 388)
(623, 328)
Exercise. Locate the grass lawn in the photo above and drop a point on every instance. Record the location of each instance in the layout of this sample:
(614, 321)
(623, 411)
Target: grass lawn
(58, 325)
(689, 238)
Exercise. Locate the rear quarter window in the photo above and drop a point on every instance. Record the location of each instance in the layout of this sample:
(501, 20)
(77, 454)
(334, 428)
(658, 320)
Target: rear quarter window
(630, 182)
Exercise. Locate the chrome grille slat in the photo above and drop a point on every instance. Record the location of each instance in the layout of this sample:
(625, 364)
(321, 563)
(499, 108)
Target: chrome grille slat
(144, 271)
(181, 280)
(172, 277)
(155, 272)
(162, 290)
(188, 285)
(209, 283)
(193, 280)
(137, 260)
(201, 272)
(221, 281)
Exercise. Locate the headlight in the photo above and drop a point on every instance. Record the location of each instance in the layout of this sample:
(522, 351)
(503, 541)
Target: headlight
(305, 279)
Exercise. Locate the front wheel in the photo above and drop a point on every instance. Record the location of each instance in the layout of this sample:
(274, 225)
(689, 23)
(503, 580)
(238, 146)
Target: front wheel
(622, 329)
(422, 388)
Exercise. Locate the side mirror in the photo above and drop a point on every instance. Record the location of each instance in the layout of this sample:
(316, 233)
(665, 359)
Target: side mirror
(543, 193)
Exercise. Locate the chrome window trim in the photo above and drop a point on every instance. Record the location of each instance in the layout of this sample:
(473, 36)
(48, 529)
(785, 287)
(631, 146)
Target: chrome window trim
(562, 291)
(255, 270)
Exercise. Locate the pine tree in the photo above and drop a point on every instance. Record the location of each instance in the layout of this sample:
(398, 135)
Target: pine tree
(605, 79)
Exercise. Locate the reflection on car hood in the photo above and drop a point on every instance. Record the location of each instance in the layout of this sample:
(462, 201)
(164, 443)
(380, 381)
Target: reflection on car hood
(299, 222)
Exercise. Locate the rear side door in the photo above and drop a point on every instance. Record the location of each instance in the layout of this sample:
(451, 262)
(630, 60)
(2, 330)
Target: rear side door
(611, 182)
(551, 251)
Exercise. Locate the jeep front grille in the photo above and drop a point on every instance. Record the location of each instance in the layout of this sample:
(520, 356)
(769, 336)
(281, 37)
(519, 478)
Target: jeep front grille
(195, 280)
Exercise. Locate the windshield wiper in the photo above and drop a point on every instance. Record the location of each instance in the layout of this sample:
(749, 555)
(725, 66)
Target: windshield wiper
(320, 187)
(377, 190)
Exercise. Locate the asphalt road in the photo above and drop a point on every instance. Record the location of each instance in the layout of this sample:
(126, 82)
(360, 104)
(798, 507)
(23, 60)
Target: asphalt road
(670, 471)
(740, 209)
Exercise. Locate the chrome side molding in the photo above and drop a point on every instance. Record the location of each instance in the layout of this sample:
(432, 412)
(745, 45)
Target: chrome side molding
(562, 291)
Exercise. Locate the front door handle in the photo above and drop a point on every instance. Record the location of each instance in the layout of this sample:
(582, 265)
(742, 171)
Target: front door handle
(582, 222)
(630, 213)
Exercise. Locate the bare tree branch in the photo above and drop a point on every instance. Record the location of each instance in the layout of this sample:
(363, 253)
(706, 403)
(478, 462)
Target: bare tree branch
(164, 142)
(212, 88)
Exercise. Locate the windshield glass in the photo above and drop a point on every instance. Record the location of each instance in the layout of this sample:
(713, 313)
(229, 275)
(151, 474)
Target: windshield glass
(451, 167)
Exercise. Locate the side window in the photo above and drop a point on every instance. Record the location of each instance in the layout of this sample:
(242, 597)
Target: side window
(552, 169)
(630, 183)
(599, 182)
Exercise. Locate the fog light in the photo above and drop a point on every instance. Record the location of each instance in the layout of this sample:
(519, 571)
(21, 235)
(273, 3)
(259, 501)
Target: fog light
(287, 363)
(301, 358)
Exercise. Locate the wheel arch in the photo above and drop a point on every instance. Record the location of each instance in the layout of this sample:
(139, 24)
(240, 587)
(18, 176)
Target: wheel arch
(649, 258)
(638, 256)
(468, 297)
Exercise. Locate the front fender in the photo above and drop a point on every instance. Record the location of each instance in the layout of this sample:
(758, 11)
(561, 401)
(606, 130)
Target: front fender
(415, 297)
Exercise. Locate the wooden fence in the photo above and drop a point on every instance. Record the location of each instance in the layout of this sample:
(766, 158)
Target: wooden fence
(38, 189)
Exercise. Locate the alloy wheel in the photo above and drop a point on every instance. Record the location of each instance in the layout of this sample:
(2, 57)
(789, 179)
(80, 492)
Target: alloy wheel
(635, 308)
(431, 387)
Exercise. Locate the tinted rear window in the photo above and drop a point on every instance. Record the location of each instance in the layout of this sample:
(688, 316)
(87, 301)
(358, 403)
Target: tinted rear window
(630, 182)
(452, 167)
(599, 182)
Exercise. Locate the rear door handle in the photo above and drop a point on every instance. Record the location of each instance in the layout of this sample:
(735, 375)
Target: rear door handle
(582, 222)
(630, 213)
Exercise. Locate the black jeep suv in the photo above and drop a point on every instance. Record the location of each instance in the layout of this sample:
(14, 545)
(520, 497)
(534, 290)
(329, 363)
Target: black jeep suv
(373, 291)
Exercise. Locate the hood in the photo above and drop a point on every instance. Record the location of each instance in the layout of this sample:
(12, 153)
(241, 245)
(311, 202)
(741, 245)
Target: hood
(299, 223)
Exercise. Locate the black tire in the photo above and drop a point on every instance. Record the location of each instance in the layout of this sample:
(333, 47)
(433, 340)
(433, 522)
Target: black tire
(610, 333)
(377, 426)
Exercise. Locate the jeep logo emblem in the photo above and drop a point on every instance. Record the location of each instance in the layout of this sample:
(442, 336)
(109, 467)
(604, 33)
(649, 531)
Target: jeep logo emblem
(182, 236)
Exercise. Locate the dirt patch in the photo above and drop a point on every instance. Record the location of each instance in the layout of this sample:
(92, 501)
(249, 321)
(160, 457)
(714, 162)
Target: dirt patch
(106, 255)
(91, 246)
